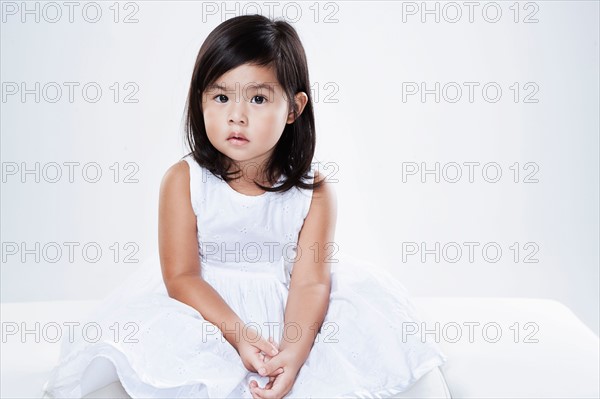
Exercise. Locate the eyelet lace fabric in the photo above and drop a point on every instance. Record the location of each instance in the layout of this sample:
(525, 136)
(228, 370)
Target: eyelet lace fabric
(247, 249)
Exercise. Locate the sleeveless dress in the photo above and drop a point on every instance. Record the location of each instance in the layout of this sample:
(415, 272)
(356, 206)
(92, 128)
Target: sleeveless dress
(163, 348)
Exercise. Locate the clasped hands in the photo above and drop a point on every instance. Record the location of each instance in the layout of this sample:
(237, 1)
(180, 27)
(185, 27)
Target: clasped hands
(264, 357)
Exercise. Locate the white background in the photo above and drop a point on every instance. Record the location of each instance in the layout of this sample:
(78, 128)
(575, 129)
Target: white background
(359, 55)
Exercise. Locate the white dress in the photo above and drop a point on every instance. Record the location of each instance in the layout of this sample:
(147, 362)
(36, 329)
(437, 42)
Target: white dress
(165, 349)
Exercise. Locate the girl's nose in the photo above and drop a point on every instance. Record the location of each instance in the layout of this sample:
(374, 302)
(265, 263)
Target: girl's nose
(237, 113)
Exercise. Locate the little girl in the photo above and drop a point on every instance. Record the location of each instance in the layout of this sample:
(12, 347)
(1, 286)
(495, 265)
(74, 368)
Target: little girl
(254, 300)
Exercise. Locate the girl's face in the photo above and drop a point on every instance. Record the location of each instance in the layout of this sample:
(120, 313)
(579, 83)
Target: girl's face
(247, 101)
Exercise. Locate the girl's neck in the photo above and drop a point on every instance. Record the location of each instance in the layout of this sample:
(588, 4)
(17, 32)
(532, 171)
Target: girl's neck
(250, 172)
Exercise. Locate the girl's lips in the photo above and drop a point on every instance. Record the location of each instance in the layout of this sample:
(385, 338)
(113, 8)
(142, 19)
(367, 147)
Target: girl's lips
(237, 142)
(237, 135)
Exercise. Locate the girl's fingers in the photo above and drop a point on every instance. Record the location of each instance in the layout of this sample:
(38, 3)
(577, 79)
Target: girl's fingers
(269, 384)
(256, 393)
(273, 343)
(266, 356)
(253, 385)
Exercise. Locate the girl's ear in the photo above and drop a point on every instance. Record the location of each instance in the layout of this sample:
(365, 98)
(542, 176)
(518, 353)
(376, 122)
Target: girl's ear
(300, 99)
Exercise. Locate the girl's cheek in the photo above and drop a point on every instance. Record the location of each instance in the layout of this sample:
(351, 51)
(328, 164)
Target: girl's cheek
(209, 116)
(207, 111)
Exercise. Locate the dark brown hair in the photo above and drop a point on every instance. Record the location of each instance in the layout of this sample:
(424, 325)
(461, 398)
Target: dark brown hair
(256, 40)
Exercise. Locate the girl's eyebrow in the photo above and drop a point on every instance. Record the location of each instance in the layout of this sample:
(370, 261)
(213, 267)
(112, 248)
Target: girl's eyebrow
(217, 86)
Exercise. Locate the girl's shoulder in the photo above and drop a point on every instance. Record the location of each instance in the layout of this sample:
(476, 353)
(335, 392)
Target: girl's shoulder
(183, 169)
(324, 195)
(175, 195)
(184, 175)
(180, 184)
(176, 179)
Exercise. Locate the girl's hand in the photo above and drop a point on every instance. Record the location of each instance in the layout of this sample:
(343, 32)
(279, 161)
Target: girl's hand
(252, 349)
(282, 370)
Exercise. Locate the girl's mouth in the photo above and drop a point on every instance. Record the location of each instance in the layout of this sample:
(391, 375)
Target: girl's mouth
(237, 141)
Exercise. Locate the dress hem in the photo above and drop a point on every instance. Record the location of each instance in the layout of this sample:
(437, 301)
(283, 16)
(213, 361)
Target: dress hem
(379, 393)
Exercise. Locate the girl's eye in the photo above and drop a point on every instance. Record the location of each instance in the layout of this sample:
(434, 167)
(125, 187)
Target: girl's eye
(262, 101)
(219, 96)
(222, 98)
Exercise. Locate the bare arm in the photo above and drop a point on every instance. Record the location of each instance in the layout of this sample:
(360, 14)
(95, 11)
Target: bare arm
(179, 258)
(308, 297)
